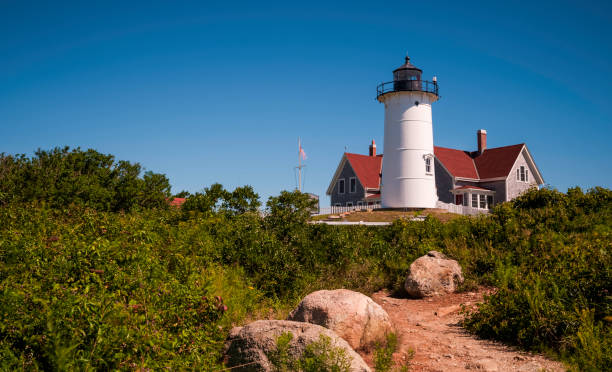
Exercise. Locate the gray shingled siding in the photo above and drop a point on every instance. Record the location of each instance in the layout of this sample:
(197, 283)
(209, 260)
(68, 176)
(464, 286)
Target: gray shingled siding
(444, 183)
(515, 188)
(500, 190)
(359, 193)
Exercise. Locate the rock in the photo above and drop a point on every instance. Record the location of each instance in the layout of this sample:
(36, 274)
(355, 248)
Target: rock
(247, 348)
(433, 274)
(351, 315)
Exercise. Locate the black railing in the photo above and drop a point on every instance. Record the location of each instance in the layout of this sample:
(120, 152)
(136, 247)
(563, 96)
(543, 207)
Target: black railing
(407, 86)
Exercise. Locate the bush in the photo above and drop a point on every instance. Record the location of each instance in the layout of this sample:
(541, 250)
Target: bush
(61, 177)
(319, 356)
(82, 286)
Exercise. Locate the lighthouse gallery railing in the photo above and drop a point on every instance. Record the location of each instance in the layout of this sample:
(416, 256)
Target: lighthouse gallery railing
(407, 86)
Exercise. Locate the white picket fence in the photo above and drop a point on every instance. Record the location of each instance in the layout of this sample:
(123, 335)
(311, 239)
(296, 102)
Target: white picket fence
(452, 208)
(343, 209)
(461, 209)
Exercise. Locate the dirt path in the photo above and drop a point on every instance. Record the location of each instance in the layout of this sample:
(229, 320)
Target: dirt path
(430, 328)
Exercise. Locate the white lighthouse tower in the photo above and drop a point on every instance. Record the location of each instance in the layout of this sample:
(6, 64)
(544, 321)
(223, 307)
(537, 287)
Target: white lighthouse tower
(408, 179)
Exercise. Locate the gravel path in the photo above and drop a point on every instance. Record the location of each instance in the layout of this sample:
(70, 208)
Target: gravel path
(431, 328)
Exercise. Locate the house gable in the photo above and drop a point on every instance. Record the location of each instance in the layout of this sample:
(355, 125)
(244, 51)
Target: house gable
(514, 185)
(349, 196)
(334, 179)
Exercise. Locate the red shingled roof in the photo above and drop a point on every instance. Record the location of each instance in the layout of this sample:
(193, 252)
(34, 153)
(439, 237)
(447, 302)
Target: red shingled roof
(459, 163)
(367, 168)
(177, 202)
(498, 161)
(492, 163)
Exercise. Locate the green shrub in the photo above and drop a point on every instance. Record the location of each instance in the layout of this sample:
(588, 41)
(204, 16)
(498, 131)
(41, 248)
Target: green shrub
(84, 287)
(318, 356)
(61, 177)
(383, 354)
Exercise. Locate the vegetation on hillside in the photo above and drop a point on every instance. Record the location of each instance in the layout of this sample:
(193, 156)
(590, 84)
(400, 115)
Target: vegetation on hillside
(86, 284)
(62, 177)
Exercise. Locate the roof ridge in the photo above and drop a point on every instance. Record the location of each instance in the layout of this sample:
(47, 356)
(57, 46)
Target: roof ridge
(475, 167)
(488, 148)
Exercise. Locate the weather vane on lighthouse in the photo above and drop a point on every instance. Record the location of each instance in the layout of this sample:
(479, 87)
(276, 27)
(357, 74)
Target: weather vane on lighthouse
(408, 179)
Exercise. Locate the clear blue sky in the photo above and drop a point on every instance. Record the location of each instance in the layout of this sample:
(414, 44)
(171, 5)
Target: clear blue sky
(220, 92)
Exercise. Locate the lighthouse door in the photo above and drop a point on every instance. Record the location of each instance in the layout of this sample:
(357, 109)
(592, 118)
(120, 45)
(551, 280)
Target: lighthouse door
(459, 199)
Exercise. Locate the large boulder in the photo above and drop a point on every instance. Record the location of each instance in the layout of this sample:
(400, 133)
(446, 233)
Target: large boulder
(250, 348)
(433, 274)
(351, 315)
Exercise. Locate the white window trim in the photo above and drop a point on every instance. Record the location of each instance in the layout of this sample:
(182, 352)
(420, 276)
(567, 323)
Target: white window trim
(350, 183)
(482, 201)
(472, 200)
(349, 204)
(343, 186)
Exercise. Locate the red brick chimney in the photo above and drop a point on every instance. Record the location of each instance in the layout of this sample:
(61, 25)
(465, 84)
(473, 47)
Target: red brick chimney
(373, 149)
(482, 140)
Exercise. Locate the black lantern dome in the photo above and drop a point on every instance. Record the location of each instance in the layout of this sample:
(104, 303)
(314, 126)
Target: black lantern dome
(407, 71)
(407, 78)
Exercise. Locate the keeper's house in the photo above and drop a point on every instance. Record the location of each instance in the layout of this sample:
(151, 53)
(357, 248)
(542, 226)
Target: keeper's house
(478, 179)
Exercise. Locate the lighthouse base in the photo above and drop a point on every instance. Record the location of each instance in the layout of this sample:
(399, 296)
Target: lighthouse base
(409, 193)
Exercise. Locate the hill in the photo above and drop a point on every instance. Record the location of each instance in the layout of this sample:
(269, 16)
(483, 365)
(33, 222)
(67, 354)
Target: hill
(86, 287)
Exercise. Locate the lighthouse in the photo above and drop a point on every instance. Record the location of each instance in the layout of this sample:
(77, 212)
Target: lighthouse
(408, 178)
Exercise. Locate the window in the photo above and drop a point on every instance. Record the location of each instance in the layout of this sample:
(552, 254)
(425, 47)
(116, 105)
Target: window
(341, 186)
(352, 184)
(337, 205)
(518, 176)
(522, 173)
(483, 201)
(490, 201)
(428, 163)
(349, 204)
(526, 175)
(359, 203)
(465, 199)
(474, 201)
